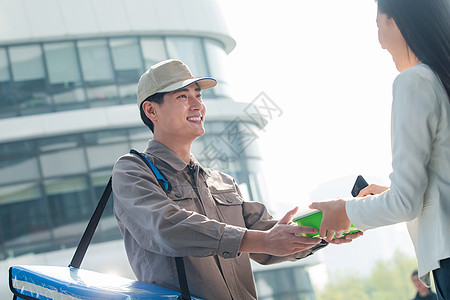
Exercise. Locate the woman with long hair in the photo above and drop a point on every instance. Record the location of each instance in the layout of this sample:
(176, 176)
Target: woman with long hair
(417, 35)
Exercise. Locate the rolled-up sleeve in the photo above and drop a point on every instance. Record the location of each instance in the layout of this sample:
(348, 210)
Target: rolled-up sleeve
(257, 217)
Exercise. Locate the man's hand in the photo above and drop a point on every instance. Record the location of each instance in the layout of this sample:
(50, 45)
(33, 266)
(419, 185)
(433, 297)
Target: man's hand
(281, 240)
(334, 219)
(372, 189)
(346, 238)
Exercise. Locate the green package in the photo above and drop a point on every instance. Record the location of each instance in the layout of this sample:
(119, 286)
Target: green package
(313, 219)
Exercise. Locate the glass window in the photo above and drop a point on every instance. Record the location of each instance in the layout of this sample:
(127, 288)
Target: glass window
(104, 156)
(23, 207)
(63, 163)
(102, 94)
(95, 61)
(153, 50)
(19, 192)
(140, 133)
(29, 77)
(6, 90)
(63, 72)
(284, 281)
(16, 148)
(128, 92)
(58, 143)
(97, 70)
(139, 137)
(69, 202)
(217, 65)
(103, 137)
(216, 59)
(189, 51)
(108, 224)
(127, 59)
(127, 65)
(18, 170)
(99, 181)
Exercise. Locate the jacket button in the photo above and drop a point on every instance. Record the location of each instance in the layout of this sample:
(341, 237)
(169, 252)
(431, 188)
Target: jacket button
(226, 254)
(229, 200)
(178, 195)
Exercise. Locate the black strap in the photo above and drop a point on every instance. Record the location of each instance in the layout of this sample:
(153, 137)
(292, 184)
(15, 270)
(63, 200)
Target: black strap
(93, 223)
(182, 279)
(179, 261)
(90, 229)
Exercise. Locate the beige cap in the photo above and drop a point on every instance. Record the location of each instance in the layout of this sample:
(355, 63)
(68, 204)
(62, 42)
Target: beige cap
(167, 76)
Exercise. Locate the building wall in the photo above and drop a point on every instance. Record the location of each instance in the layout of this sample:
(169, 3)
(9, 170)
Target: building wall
(46, 20)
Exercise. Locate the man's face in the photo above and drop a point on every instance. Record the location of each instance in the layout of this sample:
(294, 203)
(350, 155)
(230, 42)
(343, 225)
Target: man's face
(181, 115)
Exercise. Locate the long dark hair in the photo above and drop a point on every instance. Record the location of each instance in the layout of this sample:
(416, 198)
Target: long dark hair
(425, 26)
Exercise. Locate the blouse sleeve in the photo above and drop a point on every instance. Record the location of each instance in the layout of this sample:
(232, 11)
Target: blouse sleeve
(414, 124)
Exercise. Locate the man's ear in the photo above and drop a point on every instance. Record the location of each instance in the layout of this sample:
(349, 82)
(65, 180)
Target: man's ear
(149, 110)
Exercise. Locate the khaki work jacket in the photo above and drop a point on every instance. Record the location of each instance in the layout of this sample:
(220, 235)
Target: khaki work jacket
(202, 218)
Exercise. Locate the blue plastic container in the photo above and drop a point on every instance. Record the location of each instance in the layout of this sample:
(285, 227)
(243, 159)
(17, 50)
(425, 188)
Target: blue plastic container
(65, 283)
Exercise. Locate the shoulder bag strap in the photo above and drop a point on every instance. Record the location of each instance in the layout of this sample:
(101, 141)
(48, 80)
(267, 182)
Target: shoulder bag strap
(90, 229)
(162, 180)
(165, 185)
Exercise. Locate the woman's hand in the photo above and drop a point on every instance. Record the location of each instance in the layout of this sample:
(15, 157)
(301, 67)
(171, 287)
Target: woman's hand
(346, 238)
(281, 240)
(334, 219)
(372, 189)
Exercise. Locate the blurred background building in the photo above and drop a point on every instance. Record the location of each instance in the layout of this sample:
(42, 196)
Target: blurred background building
(68, 74)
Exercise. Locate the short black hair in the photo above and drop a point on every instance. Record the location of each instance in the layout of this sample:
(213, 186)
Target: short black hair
(157, 98)
(415, 273)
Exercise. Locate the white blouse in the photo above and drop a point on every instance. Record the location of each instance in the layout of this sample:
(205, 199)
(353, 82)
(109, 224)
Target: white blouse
(420, 181)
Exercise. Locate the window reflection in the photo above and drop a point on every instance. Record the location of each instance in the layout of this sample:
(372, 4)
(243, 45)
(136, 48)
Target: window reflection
(16, 148)
(153, 51)
(127, 59)
(56, 182)
(102, 71)
(63, 72)
(103, 137)
(69, 201)
(22, 205)
(7, 107)
(100, 157)
(127, 66)
(59, 143)
(216, 58)
(18, 170)
(189, 51)
(97, 70)
(30, 80)
(63, 162)
(292, 283)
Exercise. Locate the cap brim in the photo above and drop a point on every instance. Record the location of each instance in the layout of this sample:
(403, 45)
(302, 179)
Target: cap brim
(203, 82)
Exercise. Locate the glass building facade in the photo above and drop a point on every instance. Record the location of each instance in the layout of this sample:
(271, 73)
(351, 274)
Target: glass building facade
(57, 76)
(50, 182)
(49, 186)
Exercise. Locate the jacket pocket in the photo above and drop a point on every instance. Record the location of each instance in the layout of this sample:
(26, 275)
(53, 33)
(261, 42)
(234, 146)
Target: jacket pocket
(229, 206)
(185, 197)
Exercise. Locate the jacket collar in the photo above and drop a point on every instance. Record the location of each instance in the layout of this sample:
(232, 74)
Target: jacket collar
(163, 153)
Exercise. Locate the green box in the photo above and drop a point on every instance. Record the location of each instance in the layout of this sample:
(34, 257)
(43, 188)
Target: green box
(313, 219)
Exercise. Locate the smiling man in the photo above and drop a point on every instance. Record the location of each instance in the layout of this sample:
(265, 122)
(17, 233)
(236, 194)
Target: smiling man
(198, 214)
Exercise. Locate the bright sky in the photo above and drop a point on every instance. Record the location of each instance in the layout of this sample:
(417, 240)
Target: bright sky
(321, 63)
